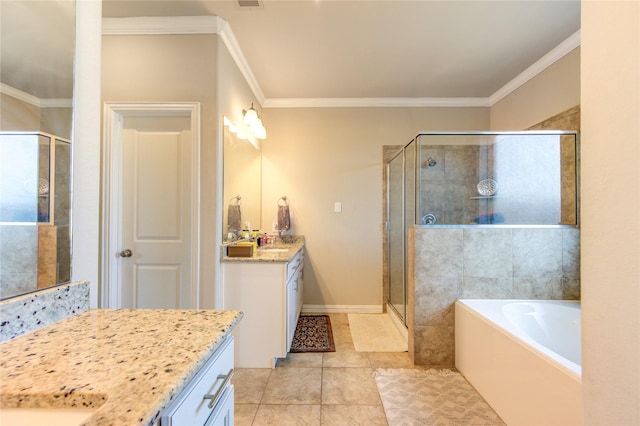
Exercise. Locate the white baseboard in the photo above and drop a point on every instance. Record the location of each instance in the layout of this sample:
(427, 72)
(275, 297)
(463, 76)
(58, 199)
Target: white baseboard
(337, 309)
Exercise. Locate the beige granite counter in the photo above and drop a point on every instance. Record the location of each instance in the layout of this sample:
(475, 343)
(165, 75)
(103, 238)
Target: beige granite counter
(130, 363)
(281, 251)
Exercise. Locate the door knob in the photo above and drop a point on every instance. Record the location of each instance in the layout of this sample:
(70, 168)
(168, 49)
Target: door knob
(126, 253)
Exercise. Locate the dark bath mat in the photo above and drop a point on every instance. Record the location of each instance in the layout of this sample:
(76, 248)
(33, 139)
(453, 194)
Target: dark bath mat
(313, 334)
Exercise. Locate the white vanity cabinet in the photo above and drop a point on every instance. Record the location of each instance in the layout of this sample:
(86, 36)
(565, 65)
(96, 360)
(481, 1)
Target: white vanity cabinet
(208, 398)
(294, 295)
(270, 296)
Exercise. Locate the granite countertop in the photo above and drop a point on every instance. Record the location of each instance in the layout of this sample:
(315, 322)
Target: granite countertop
(281, 251)
(130, 363)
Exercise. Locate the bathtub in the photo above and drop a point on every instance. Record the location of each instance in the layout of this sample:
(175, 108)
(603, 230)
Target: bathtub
(523, 357)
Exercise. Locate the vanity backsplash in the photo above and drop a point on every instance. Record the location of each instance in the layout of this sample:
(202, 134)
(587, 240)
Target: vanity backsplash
(29, 312)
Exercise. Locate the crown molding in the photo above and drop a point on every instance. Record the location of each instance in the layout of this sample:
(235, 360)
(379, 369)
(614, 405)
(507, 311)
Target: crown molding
(230, 41)
(148, 25)
(373, 102)
(217, 25)
(568, 45)
(34, 100)
(19, 94)
(186, 25)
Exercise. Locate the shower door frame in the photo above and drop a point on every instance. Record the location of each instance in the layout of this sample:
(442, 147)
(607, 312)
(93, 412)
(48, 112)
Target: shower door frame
(404, 223)
(401, 315)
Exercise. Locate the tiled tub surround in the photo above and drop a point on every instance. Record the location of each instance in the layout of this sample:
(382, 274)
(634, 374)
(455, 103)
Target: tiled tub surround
(29, 312)
(117, 360)
(446, 263)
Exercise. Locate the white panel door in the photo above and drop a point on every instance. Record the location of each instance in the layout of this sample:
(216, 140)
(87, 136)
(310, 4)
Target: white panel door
(156, 219)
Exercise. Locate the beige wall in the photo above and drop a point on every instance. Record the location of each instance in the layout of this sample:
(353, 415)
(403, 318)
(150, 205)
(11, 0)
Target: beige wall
(610, 212)
(167, 68)
(319, 156)
(56, 121)
(22, 116)
(554, 90)
(18, 115)
(234, 95)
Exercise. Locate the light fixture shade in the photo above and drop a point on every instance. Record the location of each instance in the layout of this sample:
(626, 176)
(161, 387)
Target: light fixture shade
(252, 124)
(251, 116)
(259, 132)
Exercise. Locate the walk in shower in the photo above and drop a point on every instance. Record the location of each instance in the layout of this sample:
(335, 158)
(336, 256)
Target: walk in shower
(35, 211)
(474, 180)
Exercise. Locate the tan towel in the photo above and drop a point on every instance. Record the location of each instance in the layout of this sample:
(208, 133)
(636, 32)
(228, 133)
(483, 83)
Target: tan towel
(234, 218)
(284, 221)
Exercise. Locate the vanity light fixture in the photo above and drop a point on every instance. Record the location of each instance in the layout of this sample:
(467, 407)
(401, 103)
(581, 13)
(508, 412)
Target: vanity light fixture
(250, 116)
(242, 131)
(253, 122)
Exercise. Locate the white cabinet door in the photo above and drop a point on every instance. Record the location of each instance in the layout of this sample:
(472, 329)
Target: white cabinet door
(203, 396)
(258, 290)
(294, 296)
(292, 317)
(223, 413)
(299, 284)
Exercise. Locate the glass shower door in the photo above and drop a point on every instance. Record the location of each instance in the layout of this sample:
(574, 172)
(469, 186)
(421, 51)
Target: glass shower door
(395, 193)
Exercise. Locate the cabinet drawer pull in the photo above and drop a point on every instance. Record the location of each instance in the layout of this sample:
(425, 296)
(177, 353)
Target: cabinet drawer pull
(216, 396)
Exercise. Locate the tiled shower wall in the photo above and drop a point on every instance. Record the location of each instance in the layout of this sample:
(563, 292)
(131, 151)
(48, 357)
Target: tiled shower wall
(19, 259)
(484, 262)
(446, 188)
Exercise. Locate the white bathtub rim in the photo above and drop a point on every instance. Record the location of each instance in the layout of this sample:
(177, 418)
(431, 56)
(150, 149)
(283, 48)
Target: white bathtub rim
(572, 369)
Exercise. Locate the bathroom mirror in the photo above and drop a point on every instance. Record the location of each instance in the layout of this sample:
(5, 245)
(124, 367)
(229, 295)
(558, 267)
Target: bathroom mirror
(242, 185)
(36, 92)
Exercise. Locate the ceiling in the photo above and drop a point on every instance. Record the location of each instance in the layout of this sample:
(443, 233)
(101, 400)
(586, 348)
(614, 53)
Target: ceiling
(381, 49)
(319, 49)
(36, 52)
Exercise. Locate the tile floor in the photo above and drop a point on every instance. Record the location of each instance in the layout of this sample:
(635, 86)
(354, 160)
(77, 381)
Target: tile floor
(331, 388)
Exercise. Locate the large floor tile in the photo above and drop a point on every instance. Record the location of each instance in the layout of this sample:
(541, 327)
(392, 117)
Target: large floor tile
(284, 415)
(250, 384)
(330, 388)
(353, 415)
(390, 360)
(244, 414)
(349, 386)
(294, 386)
(300, 360)
(346, 359)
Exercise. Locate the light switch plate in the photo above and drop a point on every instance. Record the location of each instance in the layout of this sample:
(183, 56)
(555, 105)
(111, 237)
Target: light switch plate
(337, 207)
